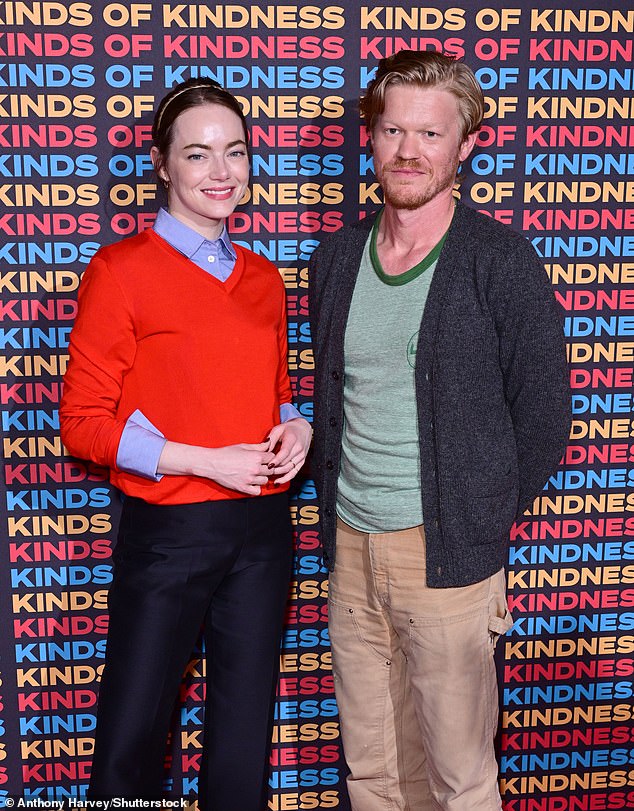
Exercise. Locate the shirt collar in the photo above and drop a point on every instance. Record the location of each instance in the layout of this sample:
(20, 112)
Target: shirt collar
(185, 239)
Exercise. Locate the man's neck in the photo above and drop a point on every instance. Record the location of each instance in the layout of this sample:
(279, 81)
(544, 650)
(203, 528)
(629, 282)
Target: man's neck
(405, 236)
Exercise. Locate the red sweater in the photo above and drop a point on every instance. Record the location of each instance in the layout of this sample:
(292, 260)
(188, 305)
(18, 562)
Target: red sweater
(204, 360)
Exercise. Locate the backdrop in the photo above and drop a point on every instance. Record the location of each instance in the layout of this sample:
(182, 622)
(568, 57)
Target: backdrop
(78, 83)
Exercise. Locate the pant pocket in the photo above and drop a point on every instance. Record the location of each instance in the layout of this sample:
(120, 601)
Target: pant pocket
(353, 632)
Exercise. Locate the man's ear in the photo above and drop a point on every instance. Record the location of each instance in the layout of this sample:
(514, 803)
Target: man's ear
(466, 147)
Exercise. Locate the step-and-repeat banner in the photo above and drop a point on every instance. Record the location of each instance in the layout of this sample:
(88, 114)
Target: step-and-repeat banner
(78, 84)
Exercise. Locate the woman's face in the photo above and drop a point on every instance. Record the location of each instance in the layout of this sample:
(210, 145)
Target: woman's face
(207, 167)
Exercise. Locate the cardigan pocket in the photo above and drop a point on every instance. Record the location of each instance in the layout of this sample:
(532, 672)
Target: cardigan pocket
(488, 482)
(491, 486)
(478, 516)
(492, 515)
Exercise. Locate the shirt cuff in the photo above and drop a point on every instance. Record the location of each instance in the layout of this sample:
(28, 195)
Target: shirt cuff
(289, 412)
(140, 447)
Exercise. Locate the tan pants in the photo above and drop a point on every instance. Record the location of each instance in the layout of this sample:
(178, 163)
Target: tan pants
(415, 678)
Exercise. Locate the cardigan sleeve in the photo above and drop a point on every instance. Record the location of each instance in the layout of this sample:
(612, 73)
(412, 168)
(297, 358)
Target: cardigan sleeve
(318, 266)
(102, 350)
(534, 367)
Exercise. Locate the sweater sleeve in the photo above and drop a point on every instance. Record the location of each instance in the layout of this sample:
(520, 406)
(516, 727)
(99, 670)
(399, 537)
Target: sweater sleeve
(102, 350)
(284, 392)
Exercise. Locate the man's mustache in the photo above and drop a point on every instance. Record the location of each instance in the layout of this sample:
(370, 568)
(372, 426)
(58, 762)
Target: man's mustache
(405, 163)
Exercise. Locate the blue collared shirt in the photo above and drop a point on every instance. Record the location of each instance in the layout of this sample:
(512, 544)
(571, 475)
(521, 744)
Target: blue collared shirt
(216, 256)
(141, 442)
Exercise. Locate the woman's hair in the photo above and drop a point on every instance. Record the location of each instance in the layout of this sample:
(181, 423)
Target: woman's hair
(191, 93)
(426, 69)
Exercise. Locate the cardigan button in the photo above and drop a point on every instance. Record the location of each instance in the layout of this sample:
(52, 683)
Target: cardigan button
(329, 464)
(335, 375)
(333, 422)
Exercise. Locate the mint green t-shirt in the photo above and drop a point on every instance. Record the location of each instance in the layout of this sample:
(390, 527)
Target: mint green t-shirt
(379, 477)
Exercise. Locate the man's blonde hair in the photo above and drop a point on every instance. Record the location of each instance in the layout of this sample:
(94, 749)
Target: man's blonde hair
(426, 69)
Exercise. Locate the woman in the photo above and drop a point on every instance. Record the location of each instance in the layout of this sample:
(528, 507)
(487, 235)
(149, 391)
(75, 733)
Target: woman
(178, 383)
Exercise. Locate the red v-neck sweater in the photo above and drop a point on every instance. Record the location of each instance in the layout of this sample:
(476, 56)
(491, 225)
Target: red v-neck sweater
(204, 360)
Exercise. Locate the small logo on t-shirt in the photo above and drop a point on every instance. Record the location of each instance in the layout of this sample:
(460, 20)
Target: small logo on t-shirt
(411, 350)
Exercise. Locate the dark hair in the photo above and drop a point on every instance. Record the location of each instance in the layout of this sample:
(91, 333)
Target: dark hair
(426, 69)
(193, 92)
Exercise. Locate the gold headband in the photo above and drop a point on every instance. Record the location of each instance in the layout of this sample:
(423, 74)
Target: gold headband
(180, 92)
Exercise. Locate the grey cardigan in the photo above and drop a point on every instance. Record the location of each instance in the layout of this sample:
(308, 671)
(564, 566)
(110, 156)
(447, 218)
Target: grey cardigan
(491, 385)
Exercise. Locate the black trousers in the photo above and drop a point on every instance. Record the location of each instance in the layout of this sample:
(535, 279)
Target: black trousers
(222, 565)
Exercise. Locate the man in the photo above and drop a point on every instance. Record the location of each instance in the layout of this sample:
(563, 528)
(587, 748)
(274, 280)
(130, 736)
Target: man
(442, 407)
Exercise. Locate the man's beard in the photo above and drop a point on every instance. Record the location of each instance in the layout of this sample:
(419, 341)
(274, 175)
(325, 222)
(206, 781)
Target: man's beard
(411, 196)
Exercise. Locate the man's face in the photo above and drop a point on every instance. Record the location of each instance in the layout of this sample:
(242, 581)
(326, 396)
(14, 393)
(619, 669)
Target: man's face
(417, 145)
